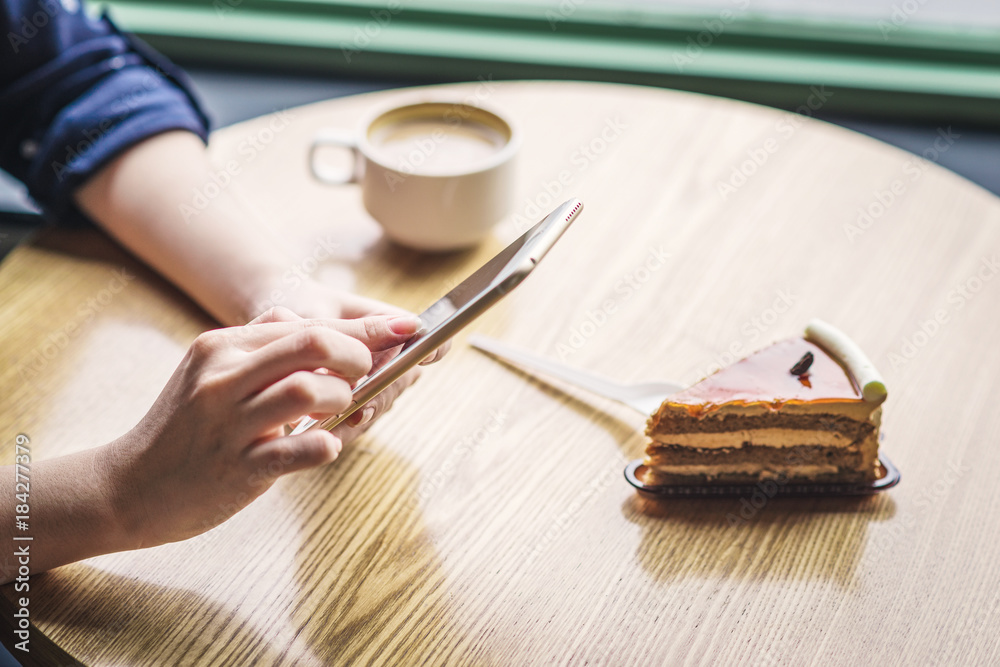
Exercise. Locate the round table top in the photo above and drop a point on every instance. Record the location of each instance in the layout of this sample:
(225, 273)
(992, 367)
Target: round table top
(485, 519)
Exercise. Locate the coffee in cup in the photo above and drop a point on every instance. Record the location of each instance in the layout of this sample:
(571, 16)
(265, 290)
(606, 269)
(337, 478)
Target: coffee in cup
(436, 175)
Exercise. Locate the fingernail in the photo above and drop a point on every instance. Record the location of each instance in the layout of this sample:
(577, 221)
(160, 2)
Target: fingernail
(405, 324)
(366, 415)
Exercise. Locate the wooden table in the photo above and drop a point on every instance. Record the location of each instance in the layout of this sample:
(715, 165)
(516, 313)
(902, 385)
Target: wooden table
(486, 520)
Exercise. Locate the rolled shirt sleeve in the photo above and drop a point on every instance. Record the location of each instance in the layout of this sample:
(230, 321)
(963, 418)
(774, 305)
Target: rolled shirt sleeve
(74, 93)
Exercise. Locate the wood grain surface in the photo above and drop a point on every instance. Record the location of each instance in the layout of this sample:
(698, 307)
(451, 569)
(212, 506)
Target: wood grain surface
(486, 520)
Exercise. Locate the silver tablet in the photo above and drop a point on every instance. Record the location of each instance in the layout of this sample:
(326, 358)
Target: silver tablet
(461, 305)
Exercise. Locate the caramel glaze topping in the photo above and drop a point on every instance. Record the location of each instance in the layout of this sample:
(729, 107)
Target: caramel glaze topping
(763, 378)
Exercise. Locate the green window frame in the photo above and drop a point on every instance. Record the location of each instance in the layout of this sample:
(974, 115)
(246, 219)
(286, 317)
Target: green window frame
(890, 67)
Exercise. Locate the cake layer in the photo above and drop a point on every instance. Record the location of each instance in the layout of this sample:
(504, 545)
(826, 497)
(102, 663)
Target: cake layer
(661, 456)
(858, 410)
(769, 437)
(665, 422)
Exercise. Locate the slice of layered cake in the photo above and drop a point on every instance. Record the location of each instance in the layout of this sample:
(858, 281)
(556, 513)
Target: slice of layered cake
(804, 409)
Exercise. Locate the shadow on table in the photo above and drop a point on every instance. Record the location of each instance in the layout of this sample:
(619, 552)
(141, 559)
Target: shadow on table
(589, 405)
(355, 598)
(384, 267)
(107, 618)
(751, 537)
(388, 601)
(421, 266)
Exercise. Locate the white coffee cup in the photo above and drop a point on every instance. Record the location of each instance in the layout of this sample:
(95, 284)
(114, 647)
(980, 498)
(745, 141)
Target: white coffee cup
(436, 175)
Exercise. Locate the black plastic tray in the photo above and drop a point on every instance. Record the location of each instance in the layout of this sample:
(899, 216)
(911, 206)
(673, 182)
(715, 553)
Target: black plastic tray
(889, 479)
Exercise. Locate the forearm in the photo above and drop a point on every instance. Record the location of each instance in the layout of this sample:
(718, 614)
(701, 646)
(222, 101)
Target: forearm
(219, 257)
(70, 513)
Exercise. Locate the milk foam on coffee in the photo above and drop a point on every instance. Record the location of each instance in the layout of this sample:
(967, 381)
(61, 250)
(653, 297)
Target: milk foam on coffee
(435, 146)
(436, 175)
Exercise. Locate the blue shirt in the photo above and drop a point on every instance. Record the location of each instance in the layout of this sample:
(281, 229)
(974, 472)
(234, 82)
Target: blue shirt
(74, 93)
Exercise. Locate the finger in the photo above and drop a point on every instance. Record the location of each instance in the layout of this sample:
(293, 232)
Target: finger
(308, 349)
(381, 404)
(436, 355)
(287, 454)
(380, 359)
(275, 314)
(301, 393)
(362, 420)
(377, 333)
(353, 306)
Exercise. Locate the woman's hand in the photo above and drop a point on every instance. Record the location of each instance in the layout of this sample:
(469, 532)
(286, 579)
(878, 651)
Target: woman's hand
(309, 298)
(214, 440)
(312, 299)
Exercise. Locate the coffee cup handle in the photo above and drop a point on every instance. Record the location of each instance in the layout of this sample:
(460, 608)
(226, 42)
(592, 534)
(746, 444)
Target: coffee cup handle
(339, 139)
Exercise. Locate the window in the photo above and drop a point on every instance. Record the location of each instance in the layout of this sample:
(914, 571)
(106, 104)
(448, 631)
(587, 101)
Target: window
(900, 57)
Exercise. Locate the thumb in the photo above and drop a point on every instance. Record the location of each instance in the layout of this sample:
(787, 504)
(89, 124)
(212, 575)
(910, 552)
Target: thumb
(379, 333)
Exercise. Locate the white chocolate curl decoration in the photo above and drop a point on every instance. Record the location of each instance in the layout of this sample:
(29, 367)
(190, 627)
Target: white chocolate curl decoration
(842, 348)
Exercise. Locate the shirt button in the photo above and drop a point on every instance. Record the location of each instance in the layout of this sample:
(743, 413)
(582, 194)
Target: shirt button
(29, 149)
(117, 62)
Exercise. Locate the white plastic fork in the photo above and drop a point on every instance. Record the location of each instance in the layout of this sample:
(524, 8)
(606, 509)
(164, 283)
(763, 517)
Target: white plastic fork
(644, 398)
